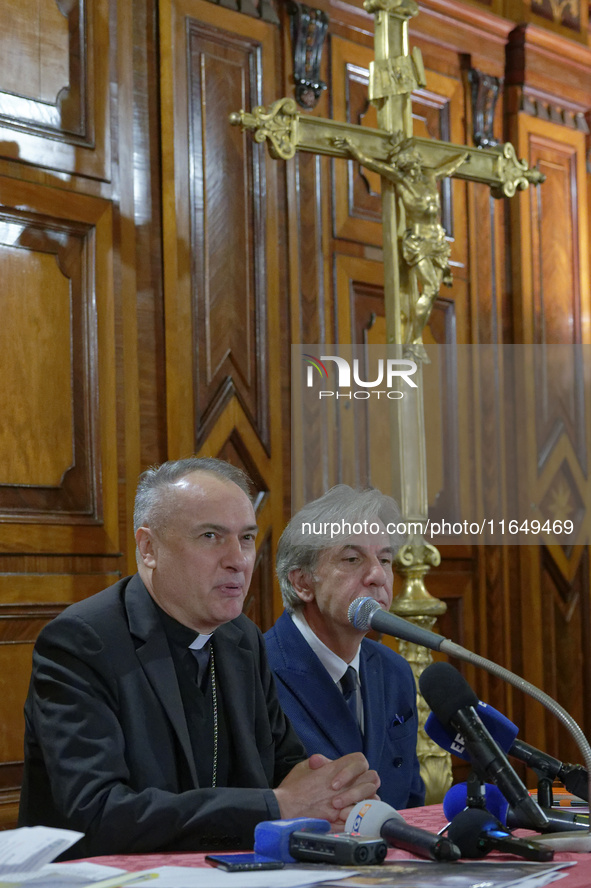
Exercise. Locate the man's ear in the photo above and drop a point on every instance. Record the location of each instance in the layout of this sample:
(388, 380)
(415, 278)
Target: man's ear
(145, 546)
(303, 583)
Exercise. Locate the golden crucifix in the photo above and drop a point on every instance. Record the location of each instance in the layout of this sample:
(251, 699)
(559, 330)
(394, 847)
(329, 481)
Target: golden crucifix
(416, 263)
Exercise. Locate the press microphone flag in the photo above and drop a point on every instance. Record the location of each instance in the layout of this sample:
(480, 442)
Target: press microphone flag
(504, 732)
(454, 703)
(365, 612)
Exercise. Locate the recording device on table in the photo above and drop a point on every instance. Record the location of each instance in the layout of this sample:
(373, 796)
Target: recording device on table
(460, 715)
(242, 863)
(309, 840)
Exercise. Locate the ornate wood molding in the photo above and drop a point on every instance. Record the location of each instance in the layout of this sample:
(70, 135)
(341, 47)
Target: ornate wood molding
(485, 90)
(308, 32)
(264, 9)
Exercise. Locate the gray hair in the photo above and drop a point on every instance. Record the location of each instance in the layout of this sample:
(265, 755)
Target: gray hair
(153, 500)
(300, 548)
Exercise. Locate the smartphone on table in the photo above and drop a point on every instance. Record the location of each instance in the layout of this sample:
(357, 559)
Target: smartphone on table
(241, 863)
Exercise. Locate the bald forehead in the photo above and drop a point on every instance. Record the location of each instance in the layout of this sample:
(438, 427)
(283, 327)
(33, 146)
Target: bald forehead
(207, 484)
(194, 495)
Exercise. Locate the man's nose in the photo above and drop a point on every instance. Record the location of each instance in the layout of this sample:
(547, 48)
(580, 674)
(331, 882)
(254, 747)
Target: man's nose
(375, 574)
(234, 555)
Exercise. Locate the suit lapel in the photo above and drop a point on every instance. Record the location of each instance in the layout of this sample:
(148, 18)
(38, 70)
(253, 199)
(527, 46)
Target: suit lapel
(237, 679)
(309, 682)
(374, 697)
(154, 656)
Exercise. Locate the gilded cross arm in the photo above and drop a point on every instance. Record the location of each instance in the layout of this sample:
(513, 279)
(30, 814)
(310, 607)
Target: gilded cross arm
(286, 132)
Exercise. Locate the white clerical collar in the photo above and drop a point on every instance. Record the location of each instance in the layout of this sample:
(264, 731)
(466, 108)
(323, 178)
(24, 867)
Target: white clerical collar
(334, 665)
(200, 642)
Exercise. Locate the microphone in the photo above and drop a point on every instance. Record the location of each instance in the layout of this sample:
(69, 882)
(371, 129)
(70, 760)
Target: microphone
(454, 703)
(476, 832)
(501, 729)
(400, 628)
(375, 818)
(366, 613)
(573, 777)
(504, 732)
(559, 820)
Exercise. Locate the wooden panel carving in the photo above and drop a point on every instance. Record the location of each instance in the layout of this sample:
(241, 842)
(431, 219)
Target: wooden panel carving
(555, 261)
(228, 211)
(565, 640)
(259, 601)
(36, 40)
(566, 17)
(220, 232)
(29, 600)
(54, 84)
(310, 197)
(58, 478)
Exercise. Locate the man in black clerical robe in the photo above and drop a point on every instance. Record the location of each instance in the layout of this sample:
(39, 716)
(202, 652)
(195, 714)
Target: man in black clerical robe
(152, 721)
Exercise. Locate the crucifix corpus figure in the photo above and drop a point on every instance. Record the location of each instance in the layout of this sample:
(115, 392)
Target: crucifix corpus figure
(425, 249)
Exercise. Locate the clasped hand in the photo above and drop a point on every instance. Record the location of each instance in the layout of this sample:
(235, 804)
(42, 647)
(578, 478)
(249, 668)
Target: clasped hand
(319, 787)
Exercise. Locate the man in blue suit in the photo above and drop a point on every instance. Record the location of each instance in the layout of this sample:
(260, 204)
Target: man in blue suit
(341, 691)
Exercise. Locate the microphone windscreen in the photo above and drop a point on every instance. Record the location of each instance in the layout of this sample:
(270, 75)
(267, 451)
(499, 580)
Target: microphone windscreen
(467, 828)
(494, 800)
(361, 611)
(501, 729)
(368, 817)
(446, 691)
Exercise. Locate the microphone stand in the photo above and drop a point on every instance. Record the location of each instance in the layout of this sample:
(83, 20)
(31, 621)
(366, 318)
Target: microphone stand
(475, 792)
(566, 841)
(545, 795)
(365, 612)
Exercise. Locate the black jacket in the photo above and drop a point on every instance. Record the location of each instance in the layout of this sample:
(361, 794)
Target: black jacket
(106, 734)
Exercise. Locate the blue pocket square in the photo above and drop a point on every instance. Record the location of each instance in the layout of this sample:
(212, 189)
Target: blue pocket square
(401, 719)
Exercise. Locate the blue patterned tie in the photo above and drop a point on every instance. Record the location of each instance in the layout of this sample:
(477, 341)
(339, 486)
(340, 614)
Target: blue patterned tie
(349, 684)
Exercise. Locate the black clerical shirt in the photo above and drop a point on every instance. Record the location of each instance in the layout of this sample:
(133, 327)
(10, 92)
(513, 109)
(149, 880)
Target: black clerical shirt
(197, 698)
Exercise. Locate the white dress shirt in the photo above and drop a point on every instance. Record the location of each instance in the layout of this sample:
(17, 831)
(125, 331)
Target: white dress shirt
(334, 665)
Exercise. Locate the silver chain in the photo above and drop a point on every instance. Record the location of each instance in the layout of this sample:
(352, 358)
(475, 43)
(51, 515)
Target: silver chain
(215, 717)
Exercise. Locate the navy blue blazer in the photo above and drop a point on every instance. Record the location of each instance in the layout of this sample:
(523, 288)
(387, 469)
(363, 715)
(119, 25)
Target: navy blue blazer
(323, 722)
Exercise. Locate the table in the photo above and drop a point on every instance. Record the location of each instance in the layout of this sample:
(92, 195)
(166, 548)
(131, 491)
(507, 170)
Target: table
(430, 817)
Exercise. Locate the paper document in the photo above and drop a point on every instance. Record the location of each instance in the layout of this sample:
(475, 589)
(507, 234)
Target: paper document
(209, 877)
(30, 847)
(25, 854)
(460, 874)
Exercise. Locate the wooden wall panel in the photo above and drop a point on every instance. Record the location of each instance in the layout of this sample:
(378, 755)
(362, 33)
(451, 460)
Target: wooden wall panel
(221, 256)
(551, 305)
(58, 490)
(228, 274)
(565, 628)
(54, 85)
